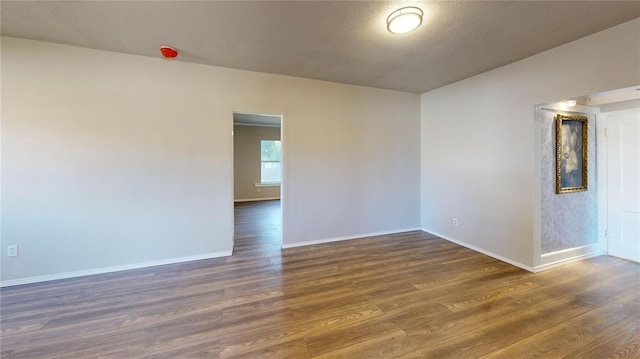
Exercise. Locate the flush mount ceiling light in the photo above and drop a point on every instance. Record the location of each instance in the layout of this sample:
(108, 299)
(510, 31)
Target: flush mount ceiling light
(404, 20)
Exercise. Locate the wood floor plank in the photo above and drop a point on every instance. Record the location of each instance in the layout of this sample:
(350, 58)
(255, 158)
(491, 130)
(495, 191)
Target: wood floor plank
(406, 295)
(292, 349)
(328, 341)
(535, 319)
(556, 342)
(623, 344)
(387, 345)
(469, 345)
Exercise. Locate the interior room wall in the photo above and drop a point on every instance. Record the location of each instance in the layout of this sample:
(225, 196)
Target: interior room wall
(478, 140)
(246, 162)
(569, 220)
(113, 161)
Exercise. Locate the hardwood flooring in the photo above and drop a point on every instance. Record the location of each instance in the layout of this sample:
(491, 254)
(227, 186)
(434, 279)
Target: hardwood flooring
(408, 295)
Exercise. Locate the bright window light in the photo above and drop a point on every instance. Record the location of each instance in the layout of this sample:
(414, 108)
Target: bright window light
(270, 161)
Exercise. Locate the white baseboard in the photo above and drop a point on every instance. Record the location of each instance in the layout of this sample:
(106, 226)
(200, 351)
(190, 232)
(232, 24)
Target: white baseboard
(86, 272)
(483, 251)
(346, 238)
(255, 199)
(566, 256)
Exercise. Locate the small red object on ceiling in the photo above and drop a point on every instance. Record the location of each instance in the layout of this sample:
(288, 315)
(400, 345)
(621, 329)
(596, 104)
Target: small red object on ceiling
(168, 52)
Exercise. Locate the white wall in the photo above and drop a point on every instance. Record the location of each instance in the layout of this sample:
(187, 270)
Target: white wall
(477, 136)
(112, 160)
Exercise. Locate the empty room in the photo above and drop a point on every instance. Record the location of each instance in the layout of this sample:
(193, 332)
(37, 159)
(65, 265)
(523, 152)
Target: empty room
(320, 179)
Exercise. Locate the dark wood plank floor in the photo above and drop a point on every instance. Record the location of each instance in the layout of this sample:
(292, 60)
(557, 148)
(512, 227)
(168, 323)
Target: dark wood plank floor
(408, 295)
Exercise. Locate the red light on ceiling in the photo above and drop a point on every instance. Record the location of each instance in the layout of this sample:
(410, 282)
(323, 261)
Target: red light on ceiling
(168, 52)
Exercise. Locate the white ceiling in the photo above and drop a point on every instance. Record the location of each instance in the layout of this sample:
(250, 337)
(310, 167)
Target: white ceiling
(339, 41)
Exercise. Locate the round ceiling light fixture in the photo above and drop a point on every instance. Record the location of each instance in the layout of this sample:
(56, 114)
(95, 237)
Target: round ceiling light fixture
(404, 20)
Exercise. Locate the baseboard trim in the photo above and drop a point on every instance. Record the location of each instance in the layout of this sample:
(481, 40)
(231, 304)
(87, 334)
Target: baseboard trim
(255, 199)
(346, 238)
(86, 272)
(483, 251)
(566, 256)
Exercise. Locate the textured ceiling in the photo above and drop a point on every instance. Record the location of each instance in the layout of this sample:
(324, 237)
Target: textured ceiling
(340, 41)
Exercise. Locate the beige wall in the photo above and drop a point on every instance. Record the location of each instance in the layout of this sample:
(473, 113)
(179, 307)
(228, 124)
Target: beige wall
(478, 140)
(112, 161)
(246, 162)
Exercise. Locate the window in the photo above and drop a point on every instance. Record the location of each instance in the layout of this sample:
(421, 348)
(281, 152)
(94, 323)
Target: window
(270, 157)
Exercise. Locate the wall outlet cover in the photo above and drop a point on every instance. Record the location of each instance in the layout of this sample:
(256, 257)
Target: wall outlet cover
(12, 250)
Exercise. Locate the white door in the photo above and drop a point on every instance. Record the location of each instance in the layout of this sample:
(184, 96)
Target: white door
(623, 183)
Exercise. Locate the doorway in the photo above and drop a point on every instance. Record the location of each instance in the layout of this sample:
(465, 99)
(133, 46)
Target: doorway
(257, 181)
(593, 216)
(620, 184)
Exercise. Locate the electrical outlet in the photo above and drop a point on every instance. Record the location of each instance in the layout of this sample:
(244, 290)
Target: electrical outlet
(12, 250)
(455, 222)
(258, 189)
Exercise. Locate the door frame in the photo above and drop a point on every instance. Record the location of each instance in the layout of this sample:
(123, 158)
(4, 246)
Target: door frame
(601, 179)
(545, 261)
(282, 168)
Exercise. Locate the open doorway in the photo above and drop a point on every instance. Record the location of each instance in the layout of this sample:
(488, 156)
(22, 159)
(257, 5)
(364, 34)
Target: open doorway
(586, 223)
(257, 182)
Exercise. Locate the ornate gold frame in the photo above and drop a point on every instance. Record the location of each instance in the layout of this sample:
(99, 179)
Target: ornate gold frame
(571, 153)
